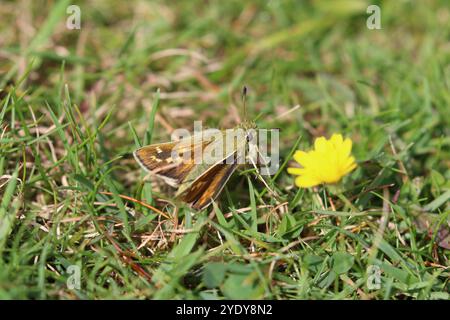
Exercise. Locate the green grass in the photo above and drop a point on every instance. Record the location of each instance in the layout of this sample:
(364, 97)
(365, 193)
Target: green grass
(75, 103)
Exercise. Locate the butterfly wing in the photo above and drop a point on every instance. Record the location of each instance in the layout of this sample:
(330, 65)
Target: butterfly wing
(205, 188)
(159, 159)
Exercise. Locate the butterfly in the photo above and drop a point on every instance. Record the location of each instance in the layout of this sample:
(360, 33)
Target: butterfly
(193, 166)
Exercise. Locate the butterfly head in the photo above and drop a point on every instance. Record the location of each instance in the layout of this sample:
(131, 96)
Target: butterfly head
(249, 128)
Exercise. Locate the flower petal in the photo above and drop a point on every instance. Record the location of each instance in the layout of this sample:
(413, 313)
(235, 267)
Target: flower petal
(336, 139)
(350, 168)
(347, 147)
(302, 157)
(321, 145)
(328, 162)
(349, 161)
(306, 181)
(296, 171)
(350, 165)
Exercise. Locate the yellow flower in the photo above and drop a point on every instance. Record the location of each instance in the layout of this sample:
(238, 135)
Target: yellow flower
(327, 163)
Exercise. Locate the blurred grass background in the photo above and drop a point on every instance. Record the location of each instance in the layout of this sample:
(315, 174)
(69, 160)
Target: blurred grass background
(75, 103)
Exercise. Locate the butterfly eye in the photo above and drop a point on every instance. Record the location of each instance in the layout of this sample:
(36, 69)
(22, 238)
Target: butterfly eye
(249, 137)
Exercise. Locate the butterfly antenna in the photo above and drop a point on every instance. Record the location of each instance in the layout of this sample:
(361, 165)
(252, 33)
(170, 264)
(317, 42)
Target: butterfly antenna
(244, 98)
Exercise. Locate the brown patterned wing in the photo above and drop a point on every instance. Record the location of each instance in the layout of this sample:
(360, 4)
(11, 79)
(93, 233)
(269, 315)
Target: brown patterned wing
(208, 186)
(158, 159)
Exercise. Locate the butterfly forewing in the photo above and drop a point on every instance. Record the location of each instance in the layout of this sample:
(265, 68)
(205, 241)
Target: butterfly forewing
(159, 159)
(204, 189)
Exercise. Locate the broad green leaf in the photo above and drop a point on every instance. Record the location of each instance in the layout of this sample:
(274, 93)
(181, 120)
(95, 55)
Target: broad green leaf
(342, 262)
(214, 274)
